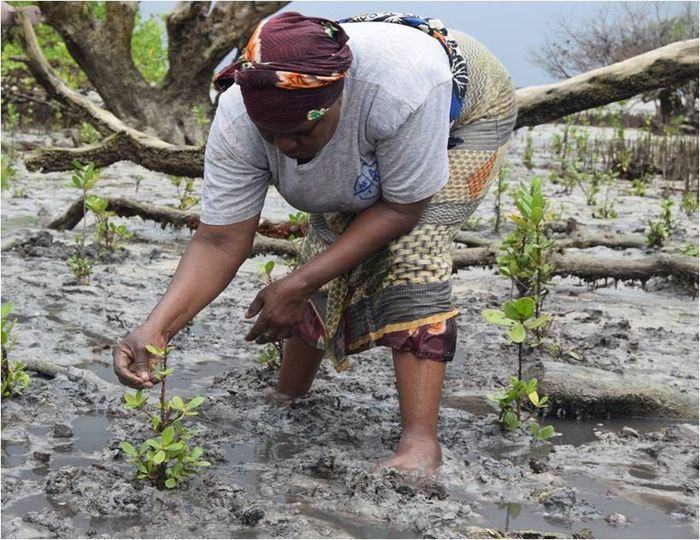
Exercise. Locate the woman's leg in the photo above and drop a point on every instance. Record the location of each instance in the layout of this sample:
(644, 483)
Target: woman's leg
(300, 363)
(419, 383)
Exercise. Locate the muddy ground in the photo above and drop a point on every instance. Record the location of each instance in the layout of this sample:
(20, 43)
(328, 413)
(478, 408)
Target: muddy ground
(303, 470)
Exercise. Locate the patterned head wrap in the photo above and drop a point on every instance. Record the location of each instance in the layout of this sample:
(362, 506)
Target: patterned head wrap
(292, 69)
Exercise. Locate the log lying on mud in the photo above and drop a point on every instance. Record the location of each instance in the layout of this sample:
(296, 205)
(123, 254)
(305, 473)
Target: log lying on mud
(671, 65)
(581, 240)
(588, 391)
(129, 208)
(586, 267)
(50, 370)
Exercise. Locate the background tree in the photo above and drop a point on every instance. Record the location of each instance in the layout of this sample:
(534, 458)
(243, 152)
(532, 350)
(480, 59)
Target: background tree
(150, 85)
(618, 32)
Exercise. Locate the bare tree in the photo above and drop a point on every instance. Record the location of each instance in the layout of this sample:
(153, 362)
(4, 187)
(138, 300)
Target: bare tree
(616, 33)
(199, 35)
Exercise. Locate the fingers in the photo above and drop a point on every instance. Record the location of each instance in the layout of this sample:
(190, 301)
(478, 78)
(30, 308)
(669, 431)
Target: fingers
(255, 306)
(123, 364)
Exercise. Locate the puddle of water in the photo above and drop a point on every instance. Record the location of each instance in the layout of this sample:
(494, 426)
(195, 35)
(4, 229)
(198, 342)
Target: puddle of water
(269, 450)
(14, 453)
(191, 377)
(645, 521)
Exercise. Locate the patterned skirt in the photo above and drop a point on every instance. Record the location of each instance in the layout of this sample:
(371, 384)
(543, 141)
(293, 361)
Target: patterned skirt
(401, 297)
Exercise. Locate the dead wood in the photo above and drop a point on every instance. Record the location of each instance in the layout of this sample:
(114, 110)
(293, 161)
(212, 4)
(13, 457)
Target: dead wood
(581, 240)
(667, 66)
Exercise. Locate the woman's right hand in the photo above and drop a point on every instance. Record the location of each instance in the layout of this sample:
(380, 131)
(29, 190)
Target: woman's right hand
(132, 363)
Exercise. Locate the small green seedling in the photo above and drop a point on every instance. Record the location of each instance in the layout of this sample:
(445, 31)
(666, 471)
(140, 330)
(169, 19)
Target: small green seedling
(138, 178)
(186, 198)
(272, 354)
(519, 317)
(167, 458)
(689, 203)
(639, 187)
(501, 187)
(529, 150)
(689, 249)
(667, 215)
(88, 134)
(14, 379)
(109, 234)
(656, 233)
(84, 178)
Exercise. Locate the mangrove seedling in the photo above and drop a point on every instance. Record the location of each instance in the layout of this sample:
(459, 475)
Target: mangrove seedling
(689, 249)
(527, 248)
(656, 233)
(272, 354)
(138, 178)
(108, 233)
(639, 187)
(519, 317)
(167, 458)
(689, 203)
(667, 215)
(84, 178)
(185, 192)
(14, 378)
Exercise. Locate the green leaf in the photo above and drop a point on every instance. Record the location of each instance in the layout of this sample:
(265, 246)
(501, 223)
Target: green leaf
(153, 443)
(510, 311)
(536, 216)
(269, 267)
(155, 422)
(177, 403)
(195, 402)
(6, 309)
(167, 436)
(175, 447)
(496, 316)
(510, 420)
(534, 398)
(202, 464)
(128, 448)
(141, 468)
(159, 457)
(170, 483)
(545, 433)
(155, 351)
(538, 322)
(544, 400)
(197, 452)
(517, 333)
(525, 307)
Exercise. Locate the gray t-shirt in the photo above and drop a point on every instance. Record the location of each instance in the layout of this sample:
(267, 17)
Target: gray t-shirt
(390, 142)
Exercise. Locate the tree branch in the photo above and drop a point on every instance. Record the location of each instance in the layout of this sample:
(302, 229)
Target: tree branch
(671, 65)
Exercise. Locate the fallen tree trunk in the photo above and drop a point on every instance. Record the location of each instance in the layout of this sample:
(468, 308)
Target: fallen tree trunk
(667, 66)
(580, 240)
(585, 267)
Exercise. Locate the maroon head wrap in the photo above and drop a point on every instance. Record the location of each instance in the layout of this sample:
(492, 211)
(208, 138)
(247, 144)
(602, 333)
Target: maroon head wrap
(292, 69)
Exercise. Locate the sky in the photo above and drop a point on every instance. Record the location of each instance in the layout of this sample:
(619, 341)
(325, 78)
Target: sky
(511, 30)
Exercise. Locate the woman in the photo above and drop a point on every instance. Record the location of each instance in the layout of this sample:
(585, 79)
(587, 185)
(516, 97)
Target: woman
(351, 122)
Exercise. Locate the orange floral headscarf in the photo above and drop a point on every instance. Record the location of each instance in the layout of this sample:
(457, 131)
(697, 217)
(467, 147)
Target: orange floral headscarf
(308, 56)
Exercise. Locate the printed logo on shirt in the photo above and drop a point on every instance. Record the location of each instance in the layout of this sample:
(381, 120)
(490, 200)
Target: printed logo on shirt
(367, 183)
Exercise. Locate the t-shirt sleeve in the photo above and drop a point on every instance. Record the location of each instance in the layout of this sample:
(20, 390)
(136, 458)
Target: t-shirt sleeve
(234, 186)
(413, 162)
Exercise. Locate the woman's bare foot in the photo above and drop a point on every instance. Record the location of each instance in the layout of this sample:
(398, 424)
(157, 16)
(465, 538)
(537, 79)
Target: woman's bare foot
(414, 454)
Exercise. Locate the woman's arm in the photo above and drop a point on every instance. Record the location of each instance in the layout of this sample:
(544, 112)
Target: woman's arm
(280, 304)
(210, 262)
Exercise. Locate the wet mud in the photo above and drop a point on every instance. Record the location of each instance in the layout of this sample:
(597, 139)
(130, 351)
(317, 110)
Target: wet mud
(304, 469)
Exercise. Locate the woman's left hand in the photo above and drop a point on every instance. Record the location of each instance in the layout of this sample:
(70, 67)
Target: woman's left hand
(281, 308)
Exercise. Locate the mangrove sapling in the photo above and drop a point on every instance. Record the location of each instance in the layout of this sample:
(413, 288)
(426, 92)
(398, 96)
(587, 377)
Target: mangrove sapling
(519, 317)
(8, 177)
(272, 354)
(689, 249)
(689, 203)
(84, 178)
(501, 186)
(639, 187)
(527, 248)
(88, 134)
(656, 233)
(167, 458)
(108, 233)
(606, 209)
(667, 215)
(138, 178)
(185, 192)
(14, 378)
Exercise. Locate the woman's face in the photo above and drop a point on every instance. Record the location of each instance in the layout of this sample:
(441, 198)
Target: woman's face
(304, 140)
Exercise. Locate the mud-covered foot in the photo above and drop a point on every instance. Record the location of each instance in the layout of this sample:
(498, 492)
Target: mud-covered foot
(414, 454)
